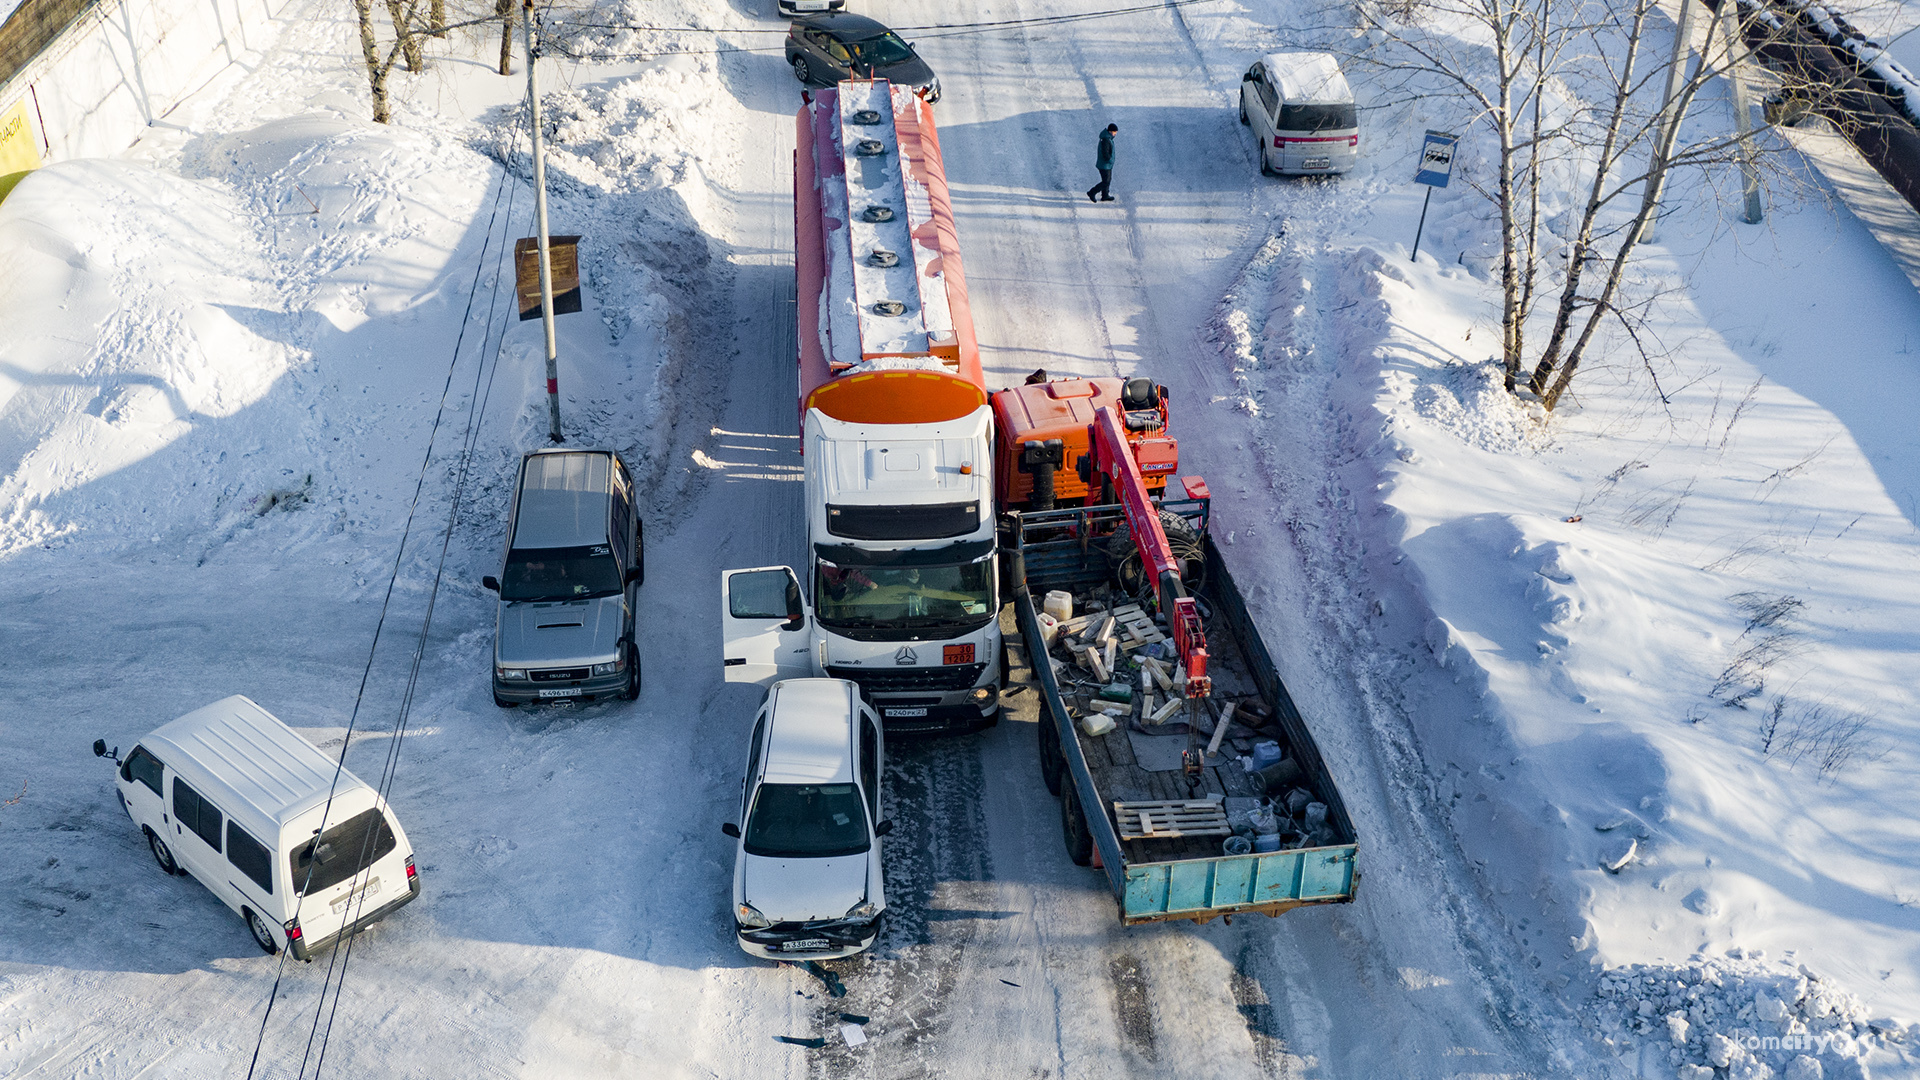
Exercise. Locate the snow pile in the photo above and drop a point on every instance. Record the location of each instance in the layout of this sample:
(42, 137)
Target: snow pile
(1750, 1017)
(208, 289)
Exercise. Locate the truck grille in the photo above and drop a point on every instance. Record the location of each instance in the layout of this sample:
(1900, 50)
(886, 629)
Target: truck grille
(564, 674)
(910, 679)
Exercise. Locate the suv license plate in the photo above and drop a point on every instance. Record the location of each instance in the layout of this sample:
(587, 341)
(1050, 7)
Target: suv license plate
(1317, 163)
(560, 693)
(904, 713)
(812, 944)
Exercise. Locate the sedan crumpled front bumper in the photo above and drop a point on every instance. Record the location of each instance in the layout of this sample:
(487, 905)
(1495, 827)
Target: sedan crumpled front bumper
(843, 937)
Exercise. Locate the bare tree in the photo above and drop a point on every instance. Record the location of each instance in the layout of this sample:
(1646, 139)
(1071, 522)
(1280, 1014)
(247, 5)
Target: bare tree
(503, 9)
(1588, 73)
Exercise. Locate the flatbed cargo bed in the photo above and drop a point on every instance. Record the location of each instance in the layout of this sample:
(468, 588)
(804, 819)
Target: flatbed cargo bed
(1184, 877)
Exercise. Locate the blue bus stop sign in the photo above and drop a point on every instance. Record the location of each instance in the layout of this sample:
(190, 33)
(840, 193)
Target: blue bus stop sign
(1436, 159)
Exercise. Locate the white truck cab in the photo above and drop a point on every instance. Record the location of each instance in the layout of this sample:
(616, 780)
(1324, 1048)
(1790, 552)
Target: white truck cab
(904, 594)
(306, 852)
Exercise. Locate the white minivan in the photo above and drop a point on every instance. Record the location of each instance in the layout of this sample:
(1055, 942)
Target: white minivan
(238, 800)
(807, 881)
(1302, 114)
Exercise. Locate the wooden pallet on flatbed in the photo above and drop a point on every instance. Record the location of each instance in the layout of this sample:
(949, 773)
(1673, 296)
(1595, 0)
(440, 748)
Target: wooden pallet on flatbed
(1170, 819)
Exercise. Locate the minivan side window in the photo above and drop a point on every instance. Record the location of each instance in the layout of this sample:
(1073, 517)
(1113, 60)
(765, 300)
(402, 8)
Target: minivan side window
(196, 813)
(870, 765)
(143, 767)
(250, 857)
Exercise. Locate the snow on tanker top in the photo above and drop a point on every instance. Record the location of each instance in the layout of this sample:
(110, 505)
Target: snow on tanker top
(885, 332)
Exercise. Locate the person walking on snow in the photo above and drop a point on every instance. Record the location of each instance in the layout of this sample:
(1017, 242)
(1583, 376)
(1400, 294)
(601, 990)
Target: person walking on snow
(1103, 161)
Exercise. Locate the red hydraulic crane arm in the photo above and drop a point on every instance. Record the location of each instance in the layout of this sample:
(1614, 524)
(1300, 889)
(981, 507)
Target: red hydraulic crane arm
(1113, 458)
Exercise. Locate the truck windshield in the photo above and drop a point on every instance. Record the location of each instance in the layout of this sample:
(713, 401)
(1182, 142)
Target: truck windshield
(342, 851)
(560, 573)
(806, 821)
(850, 596)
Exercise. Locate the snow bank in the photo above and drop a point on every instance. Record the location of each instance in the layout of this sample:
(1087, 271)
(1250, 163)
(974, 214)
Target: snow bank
(1690, 733)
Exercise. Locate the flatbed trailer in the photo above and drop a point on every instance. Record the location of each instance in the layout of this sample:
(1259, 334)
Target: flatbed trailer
(1157, 878)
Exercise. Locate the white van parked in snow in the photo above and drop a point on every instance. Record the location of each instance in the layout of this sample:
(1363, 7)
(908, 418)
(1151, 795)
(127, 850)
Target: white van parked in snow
(1302, 114)
(235, 798)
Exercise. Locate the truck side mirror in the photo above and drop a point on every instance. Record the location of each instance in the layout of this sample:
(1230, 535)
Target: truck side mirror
(796, 610)
(99, 748)
(731, 830)
(883, 828)
(490, 582)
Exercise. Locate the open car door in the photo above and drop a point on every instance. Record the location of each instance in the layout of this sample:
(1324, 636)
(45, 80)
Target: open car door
(763, 626)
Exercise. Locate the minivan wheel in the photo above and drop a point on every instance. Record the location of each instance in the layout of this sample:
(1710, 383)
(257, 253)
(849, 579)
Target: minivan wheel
(261, 934)
(802, 71)
(1244, 122)
(160, 853)
(1266, 166)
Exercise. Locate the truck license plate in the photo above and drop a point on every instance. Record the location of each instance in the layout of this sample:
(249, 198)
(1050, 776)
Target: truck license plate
(904, 713)
(560, 693)
(1317, 163)
(812, 944)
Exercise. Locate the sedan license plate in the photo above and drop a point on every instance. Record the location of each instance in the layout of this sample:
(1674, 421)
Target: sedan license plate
(560, 693)
(904, 713)
(1317, 163)
(812, 944)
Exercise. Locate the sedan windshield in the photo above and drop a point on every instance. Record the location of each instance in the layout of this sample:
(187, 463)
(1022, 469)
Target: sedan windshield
(881, 51)
(903, 595)
(806, 821)
(560, 573)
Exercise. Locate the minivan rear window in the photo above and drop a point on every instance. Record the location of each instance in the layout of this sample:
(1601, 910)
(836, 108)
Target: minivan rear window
(572, 573)
(1317, 117)
(342, 851)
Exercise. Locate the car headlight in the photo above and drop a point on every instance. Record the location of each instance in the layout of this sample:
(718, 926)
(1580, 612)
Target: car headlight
(511, 672)
(981, 695)
(609, 669)
(865, 909)
(748, 915)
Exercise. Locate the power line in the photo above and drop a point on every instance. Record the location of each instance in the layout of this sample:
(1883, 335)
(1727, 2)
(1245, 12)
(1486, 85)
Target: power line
(366, 673)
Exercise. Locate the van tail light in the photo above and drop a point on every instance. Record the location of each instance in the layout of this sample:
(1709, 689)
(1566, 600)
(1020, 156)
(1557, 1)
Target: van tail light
(411, 872)
(1278, 142)
(293, 930)
(1353, 140)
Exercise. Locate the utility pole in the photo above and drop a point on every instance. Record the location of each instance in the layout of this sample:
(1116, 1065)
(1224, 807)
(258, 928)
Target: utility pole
(1729, 21)
(540, 224)
(1670, 130)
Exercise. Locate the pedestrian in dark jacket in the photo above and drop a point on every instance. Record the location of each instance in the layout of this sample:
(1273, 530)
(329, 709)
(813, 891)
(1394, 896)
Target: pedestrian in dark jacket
(1103, 161)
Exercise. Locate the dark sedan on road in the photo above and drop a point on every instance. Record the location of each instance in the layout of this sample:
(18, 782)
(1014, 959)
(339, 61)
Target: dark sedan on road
(824, 49)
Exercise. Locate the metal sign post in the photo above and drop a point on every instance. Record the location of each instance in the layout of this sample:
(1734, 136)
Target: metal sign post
(540, 230)
(1436, 168)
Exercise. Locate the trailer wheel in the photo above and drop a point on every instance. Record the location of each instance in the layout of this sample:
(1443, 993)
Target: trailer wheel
(1073, 824)
(1051, 762)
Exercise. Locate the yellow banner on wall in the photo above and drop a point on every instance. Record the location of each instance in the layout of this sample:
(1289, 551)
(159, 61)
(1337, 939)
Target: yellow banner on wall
(19, 150)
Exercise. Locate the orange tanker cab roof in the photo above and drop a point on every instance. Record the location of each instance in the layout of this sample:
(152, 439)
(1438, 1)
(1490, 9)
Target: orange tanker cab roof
(1053, 410)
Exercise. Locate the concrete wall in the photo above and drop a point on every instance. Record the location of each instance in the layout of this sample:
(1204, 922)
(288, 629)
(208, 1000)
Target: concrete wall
(122, 65)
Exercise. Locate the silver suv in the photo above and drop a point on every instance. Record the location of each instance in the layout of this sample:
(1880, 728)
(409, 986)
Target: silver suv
(568, 583)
